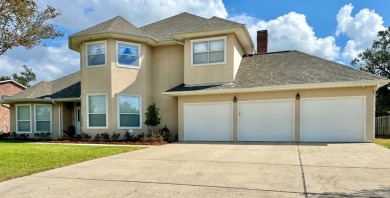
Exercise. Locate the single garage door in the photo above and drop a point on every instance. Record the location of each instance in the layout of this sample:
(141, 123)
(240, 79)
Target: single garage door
(269, 120)
(208, 122)
(333, 119)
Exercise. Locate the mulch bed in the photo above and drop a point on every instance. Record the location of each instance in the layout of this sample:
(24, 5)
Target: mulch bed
(114, 142)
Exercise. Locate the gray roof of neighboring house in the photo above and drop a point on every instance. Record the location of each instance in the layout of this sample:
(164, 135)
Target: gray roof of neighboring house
(115, 25)
(286, 68)
(162, 30)
(66, 87)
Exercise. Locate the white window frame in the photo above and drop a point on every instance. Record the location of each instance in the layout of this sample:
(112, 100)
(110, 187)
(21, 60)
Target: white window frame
(35, 117)
(208, 39)
(16, 116)
(117, 55)
(140, 111)
(87, 102)
(105, 53)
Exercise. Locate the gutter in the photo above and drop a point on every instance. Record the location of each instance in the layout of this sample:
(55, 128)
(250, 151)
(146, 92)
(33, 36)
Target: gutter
(49, 100)
(377, 83)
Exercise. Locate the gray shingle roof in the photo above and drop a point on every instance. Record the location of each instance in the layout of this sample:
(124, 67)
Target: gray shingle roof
(287, 68)
(114, 25)
(162, 30)
(66, 87)
(211, 24)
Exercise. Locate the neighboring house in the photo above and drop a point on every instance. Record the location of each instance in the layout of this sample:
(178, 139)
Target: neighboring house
(7, 88)
(207, 83)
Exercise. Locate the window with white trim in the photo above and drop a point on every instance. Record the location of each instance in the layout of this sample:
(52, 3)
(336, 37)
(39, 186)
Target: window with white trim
(96, 54)
(42, 118)
(129, 115)
(97, 111)
(23, 118)
(210, 51)
(127, 54)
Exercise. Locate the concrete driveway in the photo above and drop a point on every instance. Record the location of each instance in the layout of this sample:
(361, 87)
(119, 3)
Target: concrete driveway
(219, 170)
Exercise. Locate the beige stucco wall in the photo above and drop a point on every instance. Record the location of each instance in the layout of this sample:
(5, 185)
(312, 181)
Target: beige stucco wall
(215, 73)
(167, 73)
(368, 92)
(238, 53)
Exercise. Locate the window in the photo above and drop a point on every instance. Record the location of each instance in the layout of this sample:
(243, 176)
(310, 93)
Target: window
(96, 54)
(23, 118)
(127, 55)
(210, 51)
(42, 118)
(3, 97)
(97, 111)
(129, 111)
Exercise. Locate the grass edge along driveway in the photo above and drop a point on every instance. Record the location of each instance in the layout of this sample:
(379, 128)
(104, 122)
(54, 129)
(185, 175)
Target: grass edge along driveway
(385, 142)
(18, 158)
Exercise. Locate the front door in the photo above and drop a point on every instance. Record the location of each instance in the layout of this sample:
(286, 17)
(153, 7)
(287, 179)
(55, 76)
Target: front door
(78, 120)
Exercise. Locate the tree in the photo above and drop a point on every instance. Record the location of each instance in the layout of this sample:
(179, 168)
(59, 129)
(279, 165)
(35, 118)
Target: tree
(376, 60)
(23, 24)
(152, 116)
(24, 78)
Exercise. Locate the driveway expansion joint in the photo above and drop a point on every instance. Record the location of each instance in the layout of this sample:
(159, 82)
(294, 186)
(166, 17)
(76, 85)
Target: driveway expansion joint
(302, 172)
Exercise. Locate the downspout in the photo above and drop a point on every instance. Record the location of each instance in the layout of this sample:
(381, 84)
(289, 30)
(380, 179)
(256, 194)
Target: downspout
(374, 95)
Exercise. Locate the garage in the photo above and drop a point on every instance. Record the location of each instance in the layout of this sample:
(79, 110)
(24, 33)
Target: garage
(208, 121)
(333, 119)
(269, 120)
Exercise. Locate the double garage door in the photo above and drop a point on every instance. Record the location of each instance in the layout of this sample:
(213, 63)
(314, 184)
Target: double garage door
(322, 120)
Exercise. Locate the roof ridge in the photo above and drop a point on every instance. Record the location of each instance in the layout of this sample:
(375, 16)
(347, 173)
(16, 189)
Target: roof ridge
(172, 17)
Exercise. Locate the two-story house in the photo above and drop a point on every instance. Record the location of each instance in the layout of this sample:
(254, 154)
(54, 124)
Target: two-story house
(207, 82)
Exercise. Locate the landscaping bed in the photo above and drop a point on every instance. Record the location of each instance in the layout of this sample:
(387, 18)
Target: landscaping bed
(111, 142)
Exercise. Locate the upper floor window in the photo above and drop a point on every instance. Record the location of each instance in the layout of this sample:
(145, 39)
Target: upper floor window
(96, 54)
(127, 54)
(208, 51)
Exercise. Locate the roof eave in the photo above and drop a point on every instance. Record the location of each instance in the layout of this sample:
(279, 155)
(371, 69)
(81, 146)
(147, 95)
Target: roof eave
(49, 100)
(239, 30)
(13, 81)
(376, 83)
(74, 41)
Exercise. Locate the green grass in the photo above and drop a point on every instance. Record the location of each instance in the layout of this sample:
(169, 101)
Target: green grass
(19, 158)
(383, 142)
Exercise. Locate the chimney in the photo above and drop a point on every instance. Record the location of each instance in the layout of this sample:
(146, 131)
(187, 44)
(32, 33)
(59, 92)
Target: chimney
(262, 41)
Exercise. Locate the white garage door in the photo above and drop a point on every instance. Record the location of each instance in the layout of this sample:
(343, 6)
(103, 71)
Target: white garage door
(333, 119)
(208, 122)
(266, 120)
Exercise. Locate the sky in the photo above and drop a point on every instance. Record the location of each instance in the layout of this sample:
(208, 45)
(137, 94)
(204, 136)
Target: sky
(337, 30)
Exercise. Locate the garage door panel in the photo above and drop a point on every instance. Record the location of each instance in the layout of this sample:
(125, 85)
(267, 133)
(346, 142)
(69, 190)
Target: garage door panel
(208, 122)
(332, 120)
(266, 121)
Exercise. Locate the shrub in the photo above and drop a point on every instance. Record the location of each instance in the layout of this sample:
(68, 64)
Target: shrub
(129, 135)
(85, 136)
(115, 136)
(153, 138)
(41, 136)
(97, 137)
(152, 118)
(18, 136)
(105, 137)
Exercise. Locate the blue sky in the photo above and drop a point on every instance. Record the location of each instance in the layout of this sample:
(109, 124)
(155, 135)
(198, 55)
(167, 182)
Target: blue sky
(336, 30)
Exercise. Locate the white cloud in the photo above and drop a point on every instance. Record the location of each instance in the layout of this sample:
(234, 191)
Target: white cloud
(47, 63)
(77, 15)
(291, 32)
(361, 29)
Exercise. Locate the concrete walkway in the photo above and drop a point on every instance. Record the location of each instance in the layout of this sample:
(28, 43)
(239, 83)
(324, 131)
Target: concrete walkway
(219, 170)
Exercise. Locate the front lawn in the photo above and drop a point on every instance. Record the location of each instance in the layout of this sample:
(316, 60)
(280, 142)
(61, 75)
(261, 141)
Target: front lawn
(383, 142)
(19, 158)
